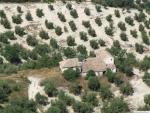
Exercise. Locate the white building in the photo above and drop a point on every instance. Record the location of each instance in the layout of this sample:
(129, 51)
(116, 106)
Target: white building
(99, 64)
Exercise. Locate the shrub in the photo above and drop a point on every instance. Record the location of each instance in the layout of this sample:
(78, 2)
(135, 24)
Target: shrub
(92, 32)
(98, 21)
(82, 50)
(109, 31)
(69, 6)
(69, 52)
(3, 38)
(58, 30)
(17, 19)
(83, 36)
(117, 13)
(93, 83)
(50, 6)
(39, 13)
(126, 89)
(53, 43)
(139, 48)
(90, 73)
(72, 26)
(146, 78)
(19, 9)
(123, 36)
(2, 14)
(129, 20)
(74, 13)
(29, 16)
(71, 74)
(94, 44)
(86, 24)
(101, 42)
(133, 33)
(31, 41)
(122, 26)
(19, 31)
(5, 22)
(87, 11)
(49, 25)
(71, 41)
(61, 17)
(98, 8)
(9, 35)
(145, 63)
(44, 35)
(109, 18)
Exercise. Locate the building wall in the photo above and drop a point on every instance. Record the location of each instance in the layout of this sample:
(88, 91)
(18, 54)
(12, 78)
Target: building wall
(97, 74)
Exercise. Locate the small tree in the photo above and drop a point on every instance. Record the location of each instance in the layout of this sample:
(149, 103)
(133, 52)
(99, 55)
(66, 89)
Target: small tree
(126, 89)
(139, 48)
(69, 52)
(17, 19)
(109, 31)
(71, 41)
(19, 9)
(94, 44)
(98, 8)
(44, 35)
(133, 33)
(29, 16)
(53, 43)
(87, 11)
(72, 26)
(74, 13)
(39, 13)
(20, 31)
(109, 18)
(40, 99)
(93, 83)
(101, 42)
(123, 36)
(117, 13)
(75, 88)
(31, 41)
(122, 26)
(71, 74)
(83, 36)
(98, 21)
(61, 17)
(129, 20)
(90, 73)
(50, 88)
(58, 30)
(86, 24)
(92, 32)
(49, 25)
(146, 78)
